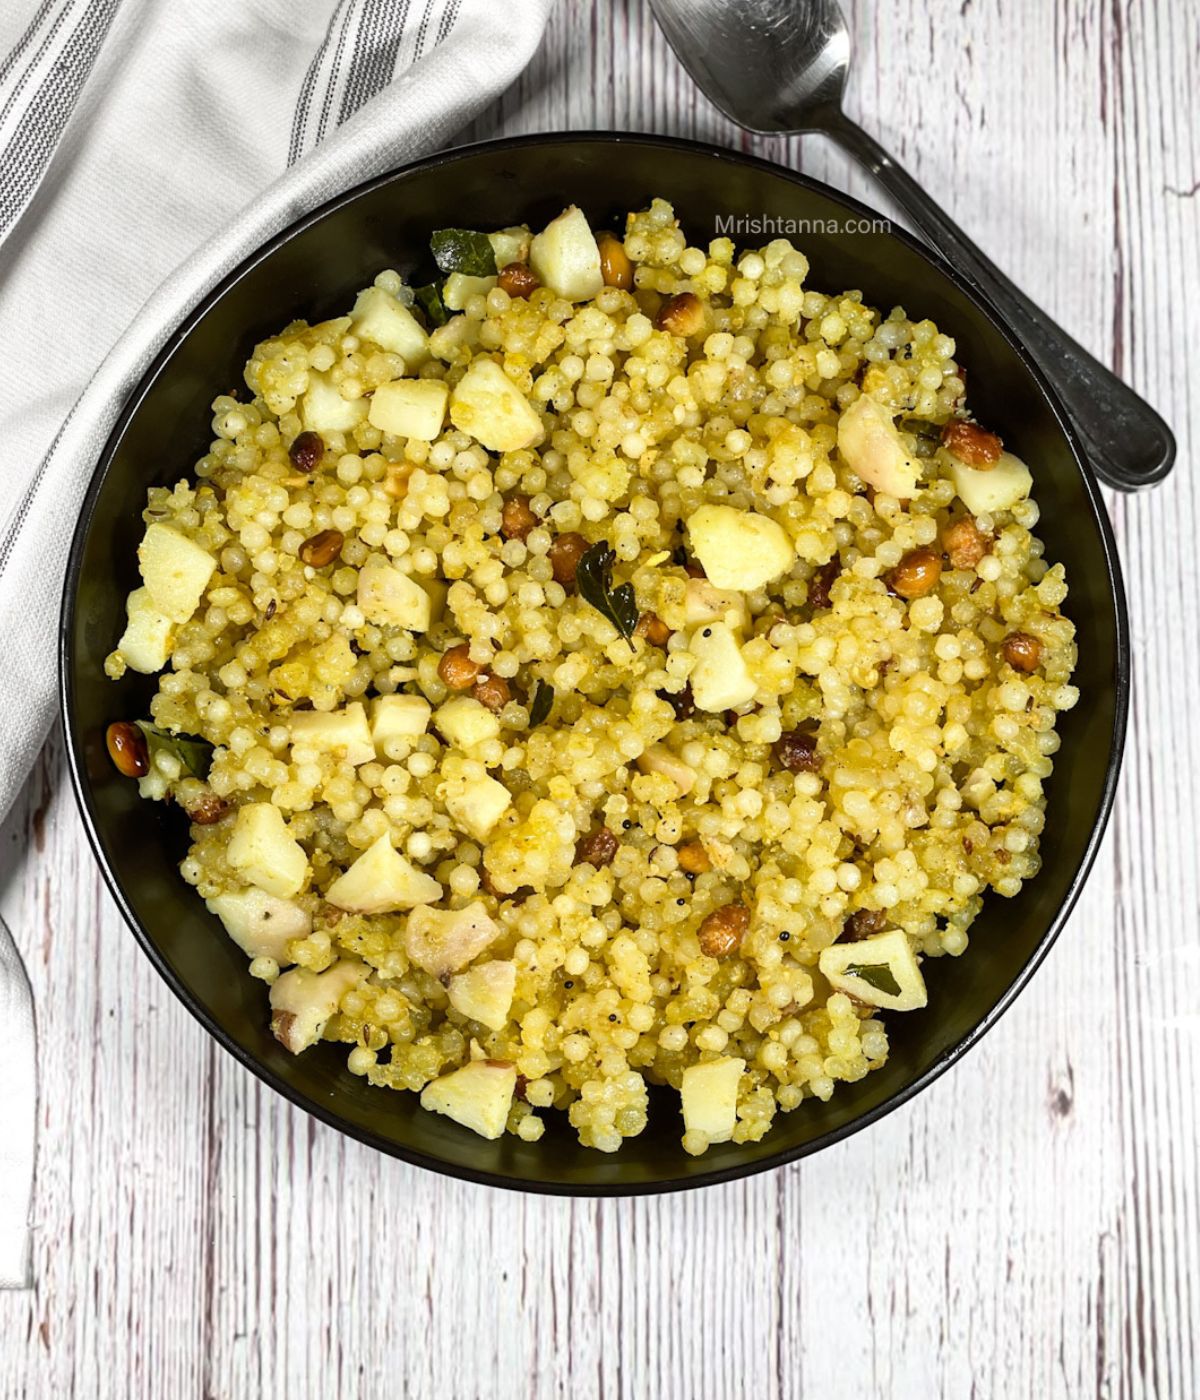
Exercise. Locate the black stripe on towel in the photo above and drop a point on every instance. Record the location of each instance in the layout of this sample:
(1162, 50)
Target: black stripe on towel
(374, 60)
(40, 129)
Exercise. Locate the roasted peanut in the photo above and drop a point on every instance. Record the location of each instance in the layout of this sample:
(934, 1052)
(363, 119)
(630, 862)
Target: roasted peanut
(681, 315)
(128, 749)
(596, 848)
(971, 444)
(306, 452)
(863, 923)
(282, 1023)
(1022, 652)
(492, 691)
(565, 554)
(796, 750)
(207, 809)
(517, 280)
(615, 267)
(821, 582)
(653, 628)
(395, 479)
(693, 858)
(965, 543)
(915, 575)
(322, 548)
(456, 668)
(516, 519)
(722, 932)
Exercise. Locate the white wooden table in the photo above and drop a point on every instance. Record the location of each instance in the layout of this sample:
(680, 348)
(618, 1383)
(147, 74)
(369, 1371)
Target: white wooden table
(1029, 1227)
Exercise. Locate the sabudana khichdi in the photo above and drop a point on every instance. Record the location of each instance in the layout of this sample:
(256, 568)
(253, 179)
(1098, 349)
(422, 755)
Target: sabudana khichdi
(615, 663)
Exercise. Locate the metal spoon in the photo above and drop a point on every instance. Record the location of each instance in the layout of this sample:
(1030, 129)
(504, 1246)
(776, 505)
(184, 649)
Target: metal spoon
(779, 66)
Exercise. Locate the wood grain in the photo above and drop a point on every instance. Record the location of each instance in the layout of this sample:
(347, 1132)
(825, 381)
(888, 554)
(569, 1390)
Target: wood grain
(1029, 1227)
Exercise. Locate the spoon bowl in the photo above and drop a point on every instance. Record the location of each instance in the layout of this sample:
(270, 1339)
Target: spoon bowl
(799, 56)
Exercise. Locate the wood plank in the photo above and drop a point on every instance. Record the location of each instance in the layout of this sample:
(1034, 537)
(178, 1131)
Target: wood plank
(1029, 1226)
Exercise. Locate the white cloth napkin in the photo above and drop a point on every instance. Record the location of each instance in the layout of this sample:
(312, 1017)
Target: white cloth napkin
(134, 133)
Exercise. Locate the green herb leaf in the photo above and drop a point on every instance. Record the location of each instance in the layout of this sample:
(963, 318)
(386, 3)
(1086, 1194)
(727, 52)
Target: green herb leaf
(463, 250)
(194, 754)
(877, 975)
(543, 699)
(429, 299)
(926, 435)
(593, 578)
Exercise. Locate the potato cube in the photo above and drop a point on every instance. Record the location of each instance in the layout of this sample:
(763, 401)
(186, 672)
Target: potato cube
(704, 603)
(263, 850)
(999, 487)
(465, 723)
(412, 408)
(324, 410)
(175, 571)
(871, 446)
(451, 341)
(881, 971)
(510, 245)
(392, 599)
(379, 317)
(709, 1092)
(149, 634)
(489, 406)
(565, 257)
(261, 925)
(380, 880)
(302, 1002)
(477, 804)
(720, 679)
(398, 720)
(445, 940)
(478, 1096)
(459, 288)
(739, 549)
(484, 993)
(345, 731)
(660, 759)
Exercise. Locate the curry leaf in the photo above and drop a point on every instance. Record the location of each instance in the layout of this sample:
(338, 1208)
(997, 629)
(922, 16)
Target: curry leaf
(543, 699)
(926, 435)
(877, 975)
(429, 299)
(194, 754)
(593, 578)
(463, 250)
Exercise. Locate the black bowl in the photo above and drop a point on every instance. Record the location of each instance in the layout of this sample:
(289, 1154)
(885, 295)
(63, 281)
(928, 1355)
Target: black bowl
(312, 270)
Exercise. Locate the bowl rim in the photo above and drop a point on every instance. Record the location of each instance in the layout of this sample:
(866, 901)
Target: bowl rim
(415, 1156)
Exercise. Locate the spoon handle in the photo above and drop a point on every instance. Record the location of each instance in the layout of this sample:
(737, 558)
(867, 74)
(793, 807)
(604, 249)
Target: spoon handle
(1127, 443)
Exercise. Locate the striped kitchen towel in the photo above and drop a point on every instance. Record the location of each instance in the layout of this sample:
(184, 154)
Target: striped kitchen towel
(134, 134)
